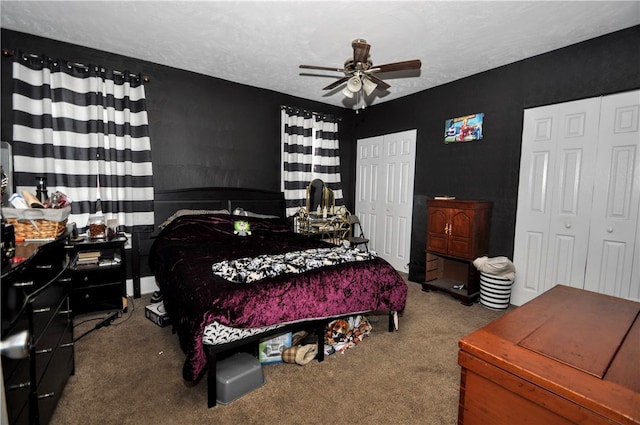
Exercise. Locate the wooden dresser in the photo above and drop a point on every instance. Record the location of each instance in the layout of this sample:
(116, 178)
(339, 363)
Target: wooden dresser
(457, 234)
(567, 357)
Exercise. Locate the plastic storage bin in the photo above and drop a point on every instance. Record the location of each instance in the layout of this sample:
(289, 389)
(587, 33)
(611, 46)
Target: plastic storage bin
(236, 376)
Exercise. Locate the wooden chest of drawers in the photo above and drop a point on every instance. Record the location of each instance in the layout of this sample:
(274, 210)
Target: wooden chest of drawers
(567, 357)
(457, 233)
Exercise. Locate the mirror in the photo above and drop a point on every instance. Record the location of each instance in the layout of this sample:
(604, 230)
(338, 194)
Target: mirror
(319, 196)
(329, 200)
(315, 195)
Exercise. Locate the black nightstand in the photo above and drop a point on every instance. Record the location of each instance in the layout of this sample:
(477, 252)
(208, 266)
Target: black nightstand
(98, 275)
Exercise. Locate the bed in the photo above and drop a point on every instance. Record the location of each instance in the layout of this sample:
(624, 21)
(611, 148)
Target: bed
(225, 287)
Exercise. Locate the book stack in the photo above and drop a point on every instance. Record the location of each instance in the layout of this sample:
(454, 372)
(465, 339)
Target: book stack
(86, 258)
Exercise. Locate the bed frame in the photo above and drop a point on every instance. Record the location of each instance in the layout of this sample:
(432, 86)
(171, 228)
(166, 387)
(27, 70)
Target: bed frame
(258, 201)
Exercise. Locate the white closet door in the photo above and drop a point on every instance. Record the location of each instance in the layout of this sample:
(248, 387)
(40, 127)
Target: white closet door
(554, 197)
(384, 194)
(579, 198)
(537, 169)
(576, 146)
(369, 165)
(613, 244)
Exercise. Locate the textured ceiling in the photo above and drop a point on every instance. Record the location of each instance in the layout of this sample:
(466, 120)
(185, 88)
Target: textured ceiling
(261, 43)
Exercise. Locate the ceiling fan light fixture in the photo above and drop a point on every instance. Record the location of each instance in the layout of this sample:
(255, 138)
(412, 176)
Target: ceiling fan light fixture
(368, 86)
(358, 72)
(354, 84)
(347, 92)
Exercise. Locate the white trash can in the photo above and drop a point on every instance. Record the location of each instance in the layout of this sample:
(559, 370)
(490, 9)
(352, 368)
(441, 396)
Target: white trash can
(495, 292)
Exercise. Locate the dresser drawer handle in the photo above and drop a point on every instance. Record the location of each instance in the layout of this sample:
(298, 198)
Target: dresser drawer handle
(42, 310)
(18, 386)
(65, 311)
(65, 279)
(44, 266)
(47, 395)
(23, 284)
(44, 351)
(68, 344)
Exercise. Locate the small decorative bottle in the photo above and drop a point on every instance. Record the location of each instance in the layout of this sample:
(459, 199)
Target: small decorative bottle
(41, 189)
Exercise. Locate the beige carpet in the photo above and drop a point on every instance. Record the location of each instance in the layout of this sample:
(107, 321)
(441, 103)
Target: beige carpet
(131, 373)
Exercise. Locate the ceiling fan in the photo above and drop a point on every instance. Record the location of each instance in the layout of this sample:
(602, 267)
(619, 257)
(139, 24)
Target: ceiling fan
(359, 70)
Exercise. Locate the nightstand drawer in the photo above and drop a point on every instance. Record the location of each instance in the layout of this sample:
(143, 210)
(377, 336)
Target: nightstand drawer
(97, 276)
(96, 298)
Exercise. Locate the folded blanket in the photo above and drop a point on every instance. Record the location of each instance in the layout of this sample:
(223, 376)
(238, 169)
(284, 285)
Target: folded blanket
(251, 269)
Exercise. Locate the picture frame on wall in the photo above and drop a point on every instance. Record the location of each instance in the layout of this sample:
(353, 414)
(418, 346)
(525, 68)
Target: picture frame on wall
(467, 128)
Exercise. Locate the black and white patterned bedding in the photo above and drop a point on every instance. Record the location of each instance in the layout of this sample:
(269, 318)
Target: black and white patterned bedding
(217, 334)
(251, 269)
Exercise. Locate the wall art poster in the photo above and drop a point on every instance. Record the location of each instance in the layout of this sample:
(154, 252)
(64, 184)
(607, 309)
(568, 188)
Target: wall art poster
(463, 129)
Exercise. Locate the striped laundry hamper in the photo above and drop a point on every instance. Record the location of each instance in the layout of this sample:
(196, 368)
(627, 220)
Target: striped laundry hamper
(495, 292)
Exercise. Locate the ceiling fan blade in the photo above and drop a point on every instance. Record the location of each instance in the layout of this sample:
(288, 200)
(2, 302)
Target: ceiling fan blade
(398, 66)
(381, 84)
(360, 50)
(336, 83)
(323, 68)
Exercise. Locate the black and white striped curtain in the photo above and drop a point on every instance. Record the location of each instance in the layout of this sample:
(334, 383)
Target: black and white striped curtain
(310, 150)
(85, 129)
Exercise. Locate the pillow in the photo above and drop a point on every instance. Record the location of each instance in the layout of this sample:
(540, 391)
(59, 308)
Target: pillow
(243, 212)
(256, 215)
(180, 213)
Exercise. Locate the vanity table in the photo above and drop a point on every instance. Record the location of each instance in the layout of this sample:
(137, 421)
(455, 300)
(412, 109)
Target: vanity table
(332, 228)
(320, 217)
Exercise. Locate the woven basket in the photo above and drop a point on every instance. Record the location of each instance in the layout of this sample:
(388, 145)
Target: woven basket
(37, 229)
(37, 223)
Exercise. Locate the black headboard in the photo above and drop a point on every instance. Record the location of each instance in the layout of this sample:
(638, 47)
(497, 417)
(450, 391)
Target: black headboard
(258, 201)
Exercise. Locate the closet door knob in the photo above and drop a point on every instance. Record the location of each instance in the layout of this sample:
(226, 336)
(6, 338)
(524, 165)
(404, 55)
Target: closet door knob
(609, 229)
(567, 225)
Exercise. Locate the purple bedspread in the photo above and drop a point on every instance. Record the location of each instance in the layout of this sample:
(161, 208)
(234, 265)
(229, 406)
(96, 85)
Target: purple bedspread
(184, 252)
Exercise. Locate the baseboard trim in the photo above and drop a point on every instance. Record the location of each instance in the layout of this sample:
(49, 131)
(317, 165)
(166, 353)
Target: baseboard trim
(147, 285)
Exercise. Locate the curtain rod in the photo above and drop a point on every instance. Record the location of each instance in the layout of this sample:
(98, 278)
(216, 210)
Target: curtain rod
(145, 78)
(339, 118)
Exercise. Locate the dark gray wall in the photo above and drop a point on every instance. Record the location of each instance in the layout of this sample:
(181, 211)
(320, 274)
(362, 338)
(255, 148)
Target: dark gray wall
(201, 137)
(489, 169)
(204, 131)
